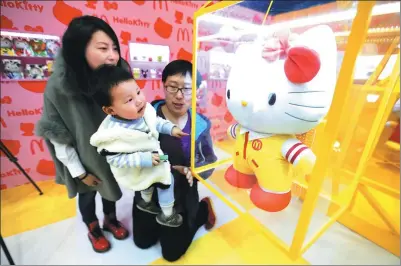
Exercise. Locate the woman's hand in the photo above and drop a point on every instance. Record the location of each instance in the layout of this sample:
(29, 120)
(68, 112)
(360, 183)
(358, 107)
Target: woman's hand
(90, 180)
(185, 171)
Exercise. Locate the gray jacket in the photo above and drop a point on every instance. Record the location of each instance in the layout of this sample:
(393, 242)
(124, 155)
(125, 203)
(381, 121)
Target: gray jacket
(72, 120)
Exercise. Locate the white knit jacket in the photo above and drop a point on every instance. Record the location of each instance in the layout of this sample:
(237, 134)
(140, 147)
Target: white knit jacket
(129, 141)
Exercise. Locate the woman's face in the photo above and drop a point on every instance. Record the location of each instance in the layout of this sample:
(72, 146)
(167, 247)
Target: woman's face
(101, 50)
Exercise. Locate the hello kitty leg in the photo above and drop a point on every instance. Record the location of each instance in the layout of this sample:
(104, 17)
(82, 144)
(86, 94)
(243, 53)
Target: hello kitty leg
(238, 179)
(269, 201)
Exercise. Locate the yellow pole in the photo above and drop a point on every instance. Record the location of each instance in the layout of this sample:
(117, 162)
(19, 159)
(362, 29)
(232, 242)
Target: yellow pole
(356, 40)
(380, 211)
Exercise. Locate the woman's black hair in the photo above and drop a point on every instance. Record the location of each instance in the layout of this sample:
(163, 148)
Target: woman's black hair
(74, 43)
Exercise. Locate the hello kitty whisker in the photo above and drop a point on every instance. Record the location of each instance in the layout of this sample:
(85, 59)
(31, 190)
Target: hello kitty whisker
(306, 106)
(312, 121)
(304, 91)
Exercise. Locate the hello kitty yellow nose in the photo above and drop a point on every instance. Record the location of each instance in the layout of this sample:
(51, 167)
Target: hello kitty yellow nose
(244, 103)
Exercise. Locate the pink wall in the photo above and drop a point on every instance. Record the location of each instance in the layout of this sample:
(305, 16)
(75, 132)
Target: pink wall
(157, 22)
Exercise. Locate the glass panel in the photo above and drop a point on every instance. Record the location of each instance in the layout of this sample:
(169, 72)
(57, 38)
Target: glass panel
(237, 49)
(383, 168)
(377, 57)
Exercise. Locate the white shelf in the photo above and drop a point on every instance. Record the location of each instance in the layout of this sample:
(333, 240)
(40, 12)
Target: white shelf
(144, 51)
(23, 57)
(29, 35)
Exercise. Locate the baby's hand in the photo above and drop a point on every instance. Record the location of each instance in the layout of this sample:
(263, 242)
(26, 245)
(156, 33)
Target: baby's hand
(155, 159)
(178, 133)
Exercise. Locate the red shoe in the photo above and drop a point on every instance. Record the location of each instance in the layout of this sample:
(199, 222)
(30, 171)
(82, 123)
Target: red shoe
(99, 242)
(239, 180)
(115, 227)
(211, 217)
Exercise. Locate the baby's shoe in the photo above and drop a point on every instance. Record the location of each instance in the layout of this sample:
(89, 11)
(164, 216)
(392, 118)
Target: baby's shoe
(149, 207)
(174, 220)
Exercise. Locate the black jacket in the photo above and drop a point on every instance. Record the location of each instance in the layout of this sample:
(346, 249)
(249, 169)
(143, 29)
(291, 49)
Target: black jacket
(186, 197)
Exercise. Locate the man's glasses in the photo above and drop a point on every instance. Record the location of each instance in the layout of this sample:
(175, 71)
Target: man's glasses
(174, 90)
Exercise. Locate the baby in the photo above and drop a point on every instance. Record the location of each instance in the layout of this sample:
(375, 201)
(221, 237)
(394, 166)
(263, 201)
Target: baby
(128, 137)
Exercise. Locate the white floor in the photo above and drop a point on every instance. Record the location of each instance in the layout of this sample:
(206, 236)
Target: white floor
(66, 243)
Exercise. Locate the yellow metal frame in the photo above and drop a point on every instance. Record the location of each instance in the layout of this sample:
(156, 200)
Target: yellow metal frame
(323, 147)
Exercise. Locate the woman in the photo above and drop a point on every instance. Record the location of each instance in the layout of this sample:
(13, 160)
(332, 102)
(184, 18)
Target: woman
(177, 82)
(70, 117)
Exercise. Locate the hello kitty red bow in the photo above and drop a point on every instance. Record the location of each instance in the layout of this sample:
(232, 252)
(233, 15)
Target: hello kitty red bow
(301, 64)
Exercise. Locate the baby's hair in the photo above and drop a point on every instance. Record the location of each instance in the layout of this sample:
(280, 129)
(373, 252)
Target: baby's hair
(103, 79)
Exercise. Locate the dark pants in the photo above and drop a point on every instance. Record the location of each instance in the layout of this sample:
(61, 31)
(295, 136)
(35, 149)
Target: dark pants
(87, 207)
(174, 241)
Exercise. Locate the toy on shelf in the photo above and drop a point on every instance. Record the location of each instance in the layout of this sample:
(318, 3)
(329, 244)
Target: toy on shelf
(152, 73)
(137, 73)
(12, 69)
(52, 47)
(22, 46)
(49, 66)
(38, 47)
(159, 73)
(7, 46)
(35, 71)
(290, 92)
(144, 73)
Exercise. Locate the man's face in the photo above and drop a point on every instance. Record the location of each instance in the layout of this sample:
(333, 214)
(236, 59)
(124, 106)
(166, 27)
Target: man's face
(178, 90)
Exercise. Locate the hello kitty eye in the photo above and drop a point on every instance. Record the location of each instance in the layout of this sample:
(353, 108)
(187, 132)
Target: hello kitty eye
(228, 94)
(272, 98)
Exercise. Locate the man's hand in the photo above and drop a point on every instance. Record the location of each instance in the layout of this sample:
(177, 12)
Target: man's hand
(90, 180)
(185, 171)
(178, 133)
(155, 159)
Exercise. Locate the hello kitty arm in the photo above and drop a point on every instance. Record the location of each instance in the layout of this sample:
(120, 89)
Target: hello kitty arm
(233, 130)
(299, 155)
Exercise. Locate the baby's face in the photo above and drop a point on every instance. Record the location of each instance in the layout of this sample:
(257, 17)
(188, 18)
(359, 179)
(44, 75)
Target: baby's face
(128, 101)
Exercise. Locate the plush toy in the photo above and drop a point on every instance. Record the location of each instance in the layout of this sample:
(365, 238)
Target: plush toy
(12, 69)
(6, 46)
(278, 88)
(35, 71)
(38, 47)
(22, 47)
(52, 47)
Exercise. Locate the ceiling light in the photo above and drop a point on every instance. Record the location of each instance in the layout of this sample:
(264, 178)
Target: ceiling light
(297, 23)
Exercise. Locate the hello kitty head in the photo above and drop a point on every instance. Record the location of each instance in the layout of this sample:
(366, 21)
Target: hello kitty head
(52, 47)
(21, 43)
(6, 42)
(284, 85)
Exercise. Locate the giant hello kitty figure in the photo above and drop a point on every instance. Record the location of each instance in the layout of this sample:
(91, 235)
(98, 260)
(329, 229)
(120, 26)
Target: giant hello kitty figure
(278, 88)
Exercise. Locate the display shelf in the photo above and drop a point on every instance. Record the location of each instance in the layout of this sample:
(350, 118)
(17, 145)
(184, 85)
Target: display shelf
(23, 57)
(147, 61)
(215, 64)
(27, 56)
(2, 80)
